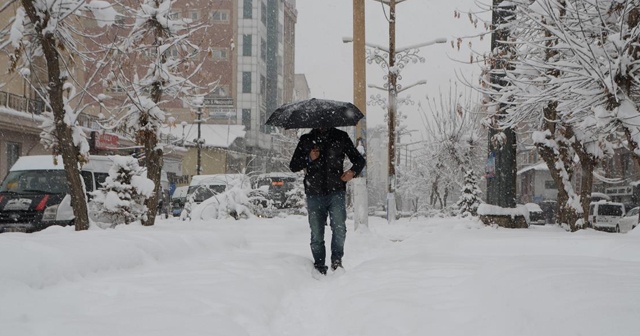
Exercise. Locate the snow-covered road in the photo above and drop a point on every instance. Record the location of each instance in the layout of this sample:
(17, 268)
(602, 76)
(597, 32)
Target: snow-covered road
(254, 277)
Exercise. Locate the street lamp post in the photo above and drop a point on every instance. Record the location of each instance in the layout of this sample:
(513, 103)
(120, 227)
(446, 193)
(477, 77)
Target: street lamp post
(183, 124)
(396, 60)
(360, 196)
(199, 142)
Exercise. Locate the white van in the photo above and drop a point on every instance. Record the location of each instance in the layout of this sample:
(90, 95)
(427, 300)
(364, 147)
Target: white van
(606, 215)
(34, 195)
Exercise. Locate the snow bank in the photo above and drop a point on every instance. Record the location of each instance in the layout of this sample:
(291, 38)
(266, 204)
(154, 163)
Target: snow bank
(59, 253)
(494, 210)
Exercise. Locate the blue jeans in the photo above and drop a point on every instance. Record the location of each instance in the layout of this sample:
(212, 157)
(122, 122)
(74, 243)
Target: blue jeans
(318, 207)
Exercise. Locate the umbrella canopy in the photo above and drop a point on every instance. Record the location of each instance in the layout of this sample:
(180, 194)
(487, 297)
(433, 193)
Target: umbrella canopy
(315, 113)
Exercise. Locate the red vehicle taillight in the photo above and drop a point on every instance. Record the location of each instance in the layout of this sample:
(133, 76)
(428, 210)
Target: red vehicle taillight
(1, 197)
(43, 203)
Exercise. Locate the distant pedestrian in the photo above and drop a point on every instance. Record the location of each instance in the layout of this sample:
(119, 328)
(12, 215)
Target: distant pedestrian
(321, 153)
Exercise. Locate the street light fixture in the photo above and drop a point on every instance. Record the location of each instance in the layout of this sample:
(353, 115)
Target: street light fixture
(400, 88)
(394, 62)
(198, 103)
(183, 124)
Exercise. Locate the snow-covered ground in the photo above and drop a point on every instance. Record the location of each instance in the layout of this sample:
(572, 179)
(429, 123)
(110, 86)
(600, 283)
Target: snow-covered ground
(254, 277)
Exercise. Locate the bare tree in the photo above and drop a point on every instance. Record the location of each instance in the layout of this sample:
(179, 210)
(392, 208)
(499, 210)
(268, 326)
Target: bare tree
(572, 75)
(154, 60)
(453, 144)
(46, 37)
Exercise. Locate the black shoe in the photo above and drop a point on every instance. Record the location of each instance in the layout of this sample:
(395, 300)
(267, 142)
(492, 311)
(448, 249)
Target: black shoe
(335, 264)
(322, 269)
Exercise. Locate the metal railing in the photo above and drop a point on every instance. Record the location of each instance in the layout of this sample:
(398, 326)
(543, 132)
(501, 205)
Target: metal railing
(23, 104)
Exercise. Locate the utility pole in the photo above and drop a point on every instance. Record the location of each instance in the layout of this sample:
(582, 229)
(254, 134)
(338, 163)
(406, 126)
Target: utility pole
(359, 67)
(393, 81)
(360, 195)
(199, 141)
(501, 181)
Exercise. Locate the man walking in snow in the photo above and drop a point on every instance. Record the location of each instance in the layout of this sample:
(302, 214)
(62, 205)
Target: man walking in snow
(321, 153)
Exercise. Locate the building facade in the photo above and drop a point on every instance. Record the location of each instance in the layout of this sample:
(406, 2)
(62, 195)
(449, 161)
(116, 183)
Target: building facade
(248, 50)
(265, 81)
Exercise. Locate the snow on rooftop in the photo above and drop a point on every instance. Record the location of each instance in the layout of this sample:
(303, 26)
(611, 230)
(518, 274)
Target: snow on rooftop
(219, 135)
(540, 166)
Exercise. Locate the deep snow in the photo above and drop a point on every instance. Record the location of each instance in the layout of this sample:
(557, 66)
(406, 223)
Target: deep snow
(254, 277)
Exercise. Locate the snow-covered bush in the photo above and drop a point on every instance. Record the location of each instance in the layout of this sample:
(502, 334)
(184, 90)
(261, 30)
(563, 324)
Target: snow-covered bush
(296, 198)
(470, 198)
(122, 196)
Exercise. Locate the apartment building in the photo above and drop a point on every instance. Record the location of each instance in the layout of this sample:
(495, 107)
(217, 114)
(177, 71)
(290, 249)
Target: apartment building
(248, 48)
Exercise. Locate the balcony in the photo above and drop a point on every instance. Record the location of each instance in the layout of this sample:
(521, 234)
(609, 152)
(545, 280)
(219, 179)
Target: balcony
(23, 104)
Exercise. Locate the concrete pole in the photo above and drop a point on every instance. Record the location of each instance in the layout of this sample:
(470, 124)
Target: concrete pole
(360, 195)
(392, 83)
(199, 144)
(359, 65)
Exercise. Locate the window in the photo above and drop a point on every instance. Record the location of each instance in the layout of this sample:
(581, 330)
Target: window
(195, 15)
(100, 179)
(247, 9)
(263, 85)
(220, 91)
(550, 184)
(220, 16)
(174, 16)
(263, 50)
(246, 119)
(13, 153)
(88, 180)
(627, 164)
(263, 13)
(115, 89)
(246, 82)
(119, 19)
(219, 54)
(609, 210)
(247, 40)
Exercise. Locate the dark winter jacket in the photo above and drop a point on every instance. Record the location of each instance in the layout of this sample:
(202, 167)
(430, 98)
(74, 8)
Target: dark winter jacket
(322, 176)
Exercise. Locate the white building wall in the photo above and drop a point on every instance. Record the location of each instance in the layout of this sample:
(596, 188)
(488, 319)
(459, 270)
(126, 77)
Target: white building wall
(539, 185)
(253, 64)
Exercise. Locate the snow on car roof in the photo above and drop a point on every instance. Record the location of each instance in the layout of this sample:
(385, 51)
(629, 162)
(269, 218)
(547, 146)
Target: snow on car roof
(46, 162)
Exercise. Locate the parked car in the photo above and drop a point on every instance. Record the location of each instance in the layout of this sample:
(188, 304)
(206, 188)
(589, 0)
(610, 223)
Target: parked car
(203, 187)
(178, 199)
(549, 210)
(34, 195)
(536, 215)
(277, 185)
(630, 220)
(606, 216)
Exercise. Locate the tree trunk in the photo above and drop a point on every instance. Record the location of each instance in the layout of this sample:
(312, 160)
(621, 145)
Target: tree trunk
(153, 161)
(588, 164)
(446, 195)
(148, 136)
(585, 192)
(63, 132)
(153, 157)
(564, 213)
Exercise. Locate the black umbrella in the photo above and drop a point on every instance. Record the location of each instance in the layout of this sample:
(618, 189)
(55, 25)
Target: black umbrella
(315, 113)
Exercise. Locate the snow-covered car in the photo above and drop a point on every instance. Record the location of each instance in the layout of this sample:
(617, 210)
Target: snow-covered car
(35, 193)
(279, 186)
(606, 216)
(630, 220)
(536, 215)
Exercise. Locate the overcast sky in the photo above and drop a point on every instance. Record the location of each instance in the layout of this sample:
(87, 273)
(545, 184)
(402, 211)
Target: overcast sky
(327, 61)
